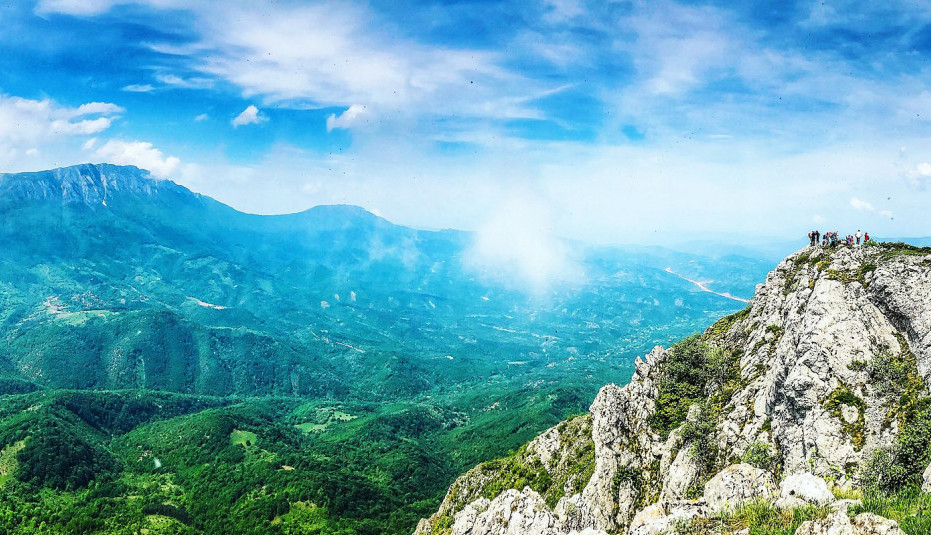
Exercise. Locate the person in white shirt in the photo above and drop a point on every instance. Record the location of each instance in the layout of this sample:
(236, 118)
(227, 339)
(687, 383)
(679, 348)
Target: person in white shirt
(859, 235)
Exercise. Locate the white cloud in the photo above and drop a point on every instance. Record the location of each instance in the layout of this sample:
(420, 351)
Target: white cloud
(94, 108)
(139, 153)
(196, 82)
(863, 206)
(818, 219)
(346, 119)
(202, 117)
(89, 144)
(86, 126)
(919, 174)
(250, 115)
(27, 124)
(139, 88)
(38, 120)
(923, 170)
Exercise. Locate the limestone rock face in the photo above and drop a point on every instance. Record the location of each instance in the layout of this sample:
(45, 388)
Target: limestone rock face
(802, 489)
(926, 487)
(511, 513)
(807, 357)
(738, 484)
(840, 524)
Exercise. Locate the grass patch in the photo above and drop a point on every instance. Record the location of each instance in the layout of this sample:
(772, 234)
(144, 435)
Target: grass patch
(909, 507)
(311, 427)
(893, 249)
(760, 518)
(243, 438)
(847, 493)
(845, 276)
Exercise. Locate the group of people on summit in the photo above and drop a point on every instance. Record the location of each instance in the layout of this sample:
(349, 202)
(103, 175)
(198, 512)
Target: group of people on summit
(830, 238)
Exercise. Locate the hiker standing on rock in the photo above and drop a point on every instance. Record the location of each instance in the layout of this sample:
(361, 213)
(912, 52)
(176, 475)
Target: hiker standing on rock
(859, 235)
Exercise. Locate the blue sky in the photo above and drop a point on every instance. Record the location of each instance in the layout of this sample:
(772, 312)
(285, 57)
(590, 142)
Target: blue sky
(605, 121)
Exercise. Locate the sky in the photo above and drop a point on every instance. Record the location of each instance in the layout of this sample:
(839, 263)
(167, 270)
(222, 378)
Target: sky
(608, 122)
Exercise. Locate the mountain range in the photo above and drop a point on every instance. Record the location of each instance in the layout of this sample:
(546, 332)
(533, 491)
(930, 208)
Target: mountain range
(268, 374)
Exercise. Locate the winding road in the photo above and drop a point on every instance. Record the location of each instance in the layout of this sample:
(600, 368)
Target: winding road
(704, 288)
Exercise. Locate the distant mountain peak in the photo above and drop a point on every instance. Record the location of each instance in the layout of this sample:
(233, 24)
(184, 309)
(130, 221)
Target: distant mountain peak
(89, 184)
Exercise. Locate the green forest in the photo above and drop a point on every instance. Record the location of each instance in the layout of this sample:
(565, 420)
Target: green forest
(128, 461)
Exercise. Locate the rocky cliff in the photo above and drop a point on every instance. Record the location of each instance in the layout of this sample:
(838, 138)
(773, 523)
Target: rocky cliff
(828, 365)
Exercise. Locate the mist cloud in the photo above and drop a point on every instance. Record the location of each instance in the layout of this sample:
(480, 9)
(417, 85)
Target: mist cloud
(516, 246)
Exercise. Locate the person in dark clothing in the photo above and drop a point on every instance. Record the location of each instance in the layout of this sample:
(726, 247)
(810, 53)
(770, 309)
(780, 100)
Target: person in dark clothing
(817, 237)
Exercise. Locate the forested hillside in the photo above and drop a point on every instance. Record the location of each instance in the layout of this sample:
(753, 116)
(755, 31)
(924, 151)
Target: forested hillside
(169, 363)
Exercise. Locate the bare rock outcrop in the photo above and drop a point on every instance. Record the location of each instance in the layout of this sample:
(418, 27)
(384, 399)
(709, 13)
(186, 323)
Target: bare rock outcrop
(797, 383)
(739, 484)
(840, 524)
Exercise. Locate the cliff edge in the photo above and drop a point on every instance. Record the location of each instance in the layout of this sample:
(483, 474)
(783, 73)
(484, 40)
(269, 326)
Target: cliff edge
(811, 387)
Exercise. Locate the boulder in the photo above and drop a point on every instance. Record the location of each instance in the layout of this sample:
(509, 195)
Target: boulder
(870, 524)
(665, 517)
(926, 487)
(737, 484)
(838, 523)
(802, 489)
(683, 472)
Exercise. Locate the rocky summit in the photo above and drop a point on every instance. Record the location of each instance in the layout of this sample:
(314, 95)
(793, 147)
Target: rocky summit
(817, 391)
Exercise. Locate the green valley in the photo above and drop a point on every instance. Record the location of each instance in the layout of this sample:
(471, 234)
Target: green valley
(171, 365)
